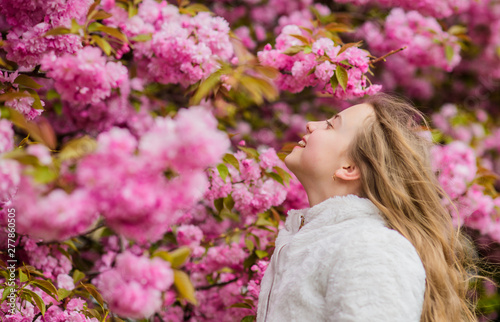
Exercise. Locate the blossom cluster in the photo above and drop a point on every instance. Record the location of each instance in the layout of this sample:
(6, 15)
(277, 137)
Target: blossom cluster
(126, 177)
(183, 49)
(438, 9)
(323, 62)
(133, 287)
(427, 47)
(248, 186)
(29, 20)
(23, 105)
(85, 78)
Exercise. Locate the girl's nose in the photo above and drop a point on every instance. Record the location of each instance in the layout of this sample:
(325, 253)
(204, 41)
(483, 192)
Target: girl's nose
(311, 126)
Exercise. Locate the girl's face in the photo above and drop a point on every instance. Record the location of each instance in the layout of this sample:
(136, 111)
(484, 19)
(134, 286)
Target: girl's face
(322, 151)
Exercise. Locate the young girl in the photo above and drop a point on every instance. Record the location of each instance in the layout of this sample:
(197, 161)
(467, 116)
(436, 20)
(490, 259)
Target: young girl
(377, 243)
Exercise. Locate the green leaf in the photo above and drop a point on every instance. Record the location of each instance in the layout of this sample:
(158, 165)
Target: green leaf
(261, 254)
(219, 204)
(197, 7)
(334, 82)
(301, 38)
(78, 276)
(449, 52)
(267, 71)
(13, 95)
(179, 256)
(205, 87)
(283, 174)
(77, 148)
(93, 291)
(184, 286)
(37, 103)
(163, 255)
(349, 45)
(242, 305)
(46, 286)
(293, 50)
(63, 293)
(52, 94)
(37, 299)
(341, 75)
(92, 8)
(251, 152)
(307, 50)
(231, 159)
(248, 318)
(142, 37)
(103, 44)
(223, 171)
(276, 177)
(57, 31)
(229, 202)
(250, 245)
(44, 174)
(22, 276)
(75, 26)
(27, 81)
(100, 15)
(113, 32)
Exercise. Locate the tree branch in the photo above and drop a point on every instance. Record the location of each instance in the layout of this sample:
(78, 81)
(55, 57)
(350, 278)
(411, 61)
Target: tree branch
(206, 287)
(33, 73)
(373, 61)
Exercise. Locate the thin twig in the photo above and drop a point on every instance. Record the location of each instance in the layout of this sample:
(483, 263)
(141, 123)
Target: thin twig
(387, 55)
(33, 73)
(206, 287)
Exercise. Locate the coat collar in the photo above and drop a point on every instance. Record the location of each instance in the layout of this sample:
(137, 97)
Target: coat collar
(335, 210)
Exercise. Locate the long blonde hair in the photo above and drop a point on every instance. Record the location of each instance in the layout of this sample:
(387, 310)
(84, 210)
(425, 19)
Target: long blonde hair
(397, 177)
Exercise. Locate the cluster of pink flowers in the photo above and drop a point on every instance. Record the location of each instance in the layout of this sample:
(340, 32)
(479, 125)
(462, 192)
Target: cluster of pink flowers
(251, 191)
(23, 105)
(52, 215)
(131, 189)
(318, 66)
(85, 78)
(191, 236)
(438, 9)
(73, 311)
(456, 166)
(27, 48)
(30, 20)
(258, 270)
(424, 38)
(183, 49)
(46, 258)
(134, 287)
(429, 51)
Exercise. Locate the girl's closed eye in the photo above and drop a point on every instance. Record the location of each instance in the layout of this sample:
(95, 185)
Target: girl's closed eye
(328, 124)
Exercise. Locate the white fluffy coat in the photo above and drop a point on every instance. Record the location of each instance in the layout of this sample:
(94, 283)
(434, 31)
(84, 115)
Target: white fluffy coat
(343, 265)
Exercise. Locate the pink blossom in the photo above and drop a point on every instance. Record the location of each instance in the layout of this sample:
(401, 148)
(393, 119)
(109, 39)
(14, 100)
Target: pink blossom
(27, 48)
(6, 136)
(134, 287)
(65, 281)
(456, 166)
(10, 177)
(54, 216)
(84, 78)
(190, 141)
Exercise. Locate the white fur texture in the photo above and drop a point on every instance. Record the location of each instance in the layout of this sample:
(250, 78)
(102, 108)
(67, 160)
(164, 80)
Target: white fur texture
(343, 265)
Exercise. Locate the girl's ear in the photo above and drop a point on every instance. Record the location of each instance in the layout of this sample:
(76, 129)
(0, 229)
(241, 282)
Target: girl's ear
(348, 173)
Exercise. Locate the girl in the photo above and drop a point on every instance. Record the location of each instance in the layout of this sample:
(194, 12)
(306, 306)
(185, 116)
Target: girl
(376, 244)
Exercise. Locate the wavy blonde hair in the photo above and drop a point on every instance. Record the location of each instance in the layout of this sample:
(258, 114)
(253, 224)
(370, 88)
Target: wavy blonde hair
(396, 176)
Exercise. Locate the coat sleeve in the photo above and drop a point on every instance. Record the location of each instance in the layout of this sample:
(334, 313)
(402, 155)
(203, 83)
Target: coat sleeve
(376, 277)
